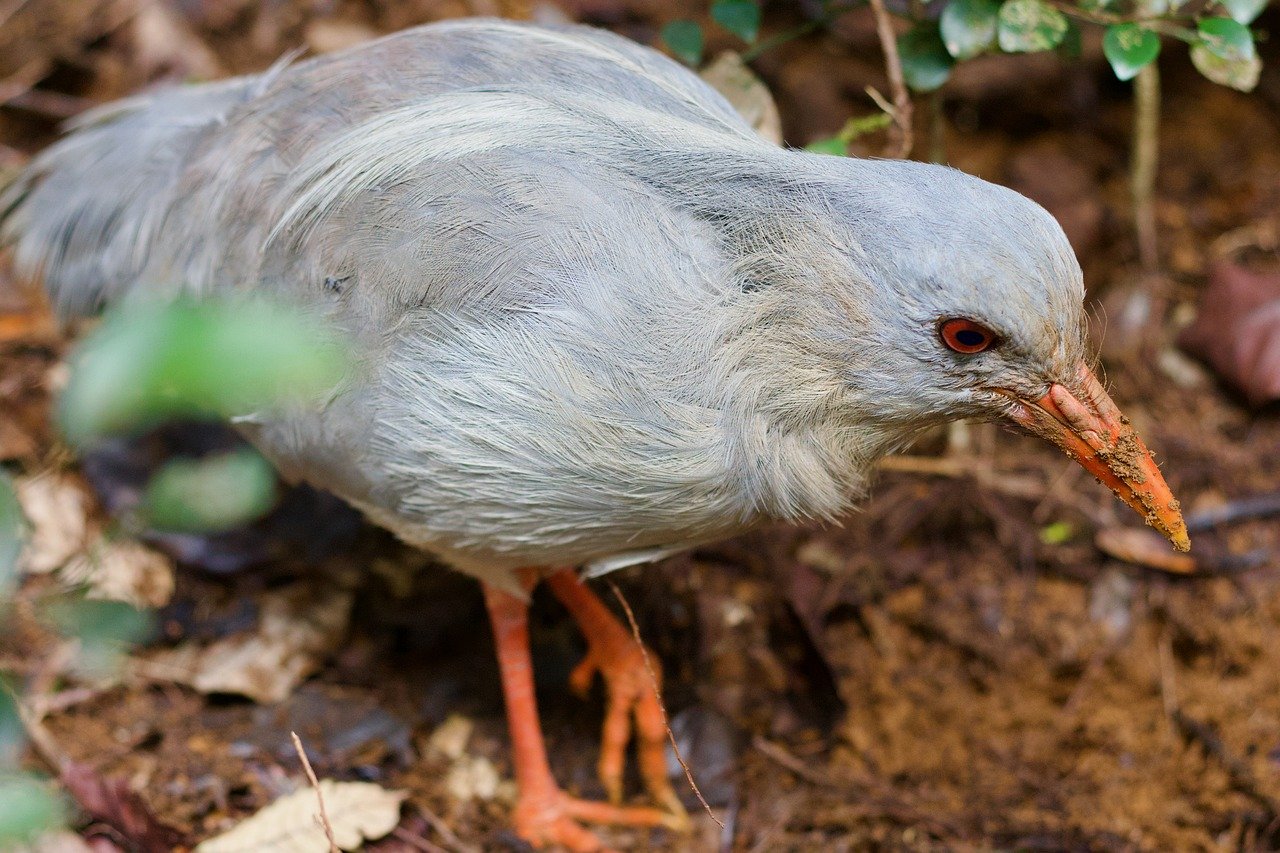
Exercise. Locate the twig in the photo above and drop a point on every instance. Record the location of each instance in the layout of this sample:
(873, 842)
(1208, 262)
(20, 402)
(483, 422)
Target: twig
(777, 754)
(879, 800)
(1146, 155)
(415, 841)
(1168, 686)
(442, 829)
(900, 141)
(315, 783)
(1232, 512)
(657, 690)
(1237, 770)
(937, 128)
(970, 467)
(765, 45)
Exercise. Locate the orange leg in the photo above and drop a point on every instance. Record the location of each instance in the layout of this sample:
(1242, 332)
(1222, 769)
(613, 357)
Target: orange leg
(544, 814)
(614, 653)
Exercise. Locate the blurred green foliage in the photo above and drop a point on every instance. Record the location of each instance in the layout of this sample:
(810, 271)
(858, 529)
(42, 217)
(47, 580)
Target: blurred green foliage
(29, 806)
(147, 363)
(210, 494)
(12, 528)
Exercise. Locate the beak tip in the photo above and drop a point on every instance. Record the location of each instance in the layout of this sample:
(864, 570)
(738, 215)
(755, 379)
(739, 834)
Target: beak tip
(1181, 541)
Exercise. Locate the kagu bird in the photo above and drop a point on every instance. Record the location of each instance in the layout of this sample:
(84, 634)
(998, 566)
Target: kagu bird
(594, 318)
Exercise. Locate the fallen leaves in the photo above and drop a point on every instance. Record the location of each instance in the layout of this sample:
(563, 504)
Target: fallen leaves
(64, 538)
(746, 92)
(1237, 331)
(57, 510)
(469, 777)
(112, 801)
(357, 811)
(1145, 548)
(298, 628)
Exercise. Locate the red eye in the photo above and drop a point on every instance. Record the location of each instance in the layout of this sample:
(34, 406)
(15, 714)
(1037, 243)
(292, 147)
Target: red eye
(966, 336)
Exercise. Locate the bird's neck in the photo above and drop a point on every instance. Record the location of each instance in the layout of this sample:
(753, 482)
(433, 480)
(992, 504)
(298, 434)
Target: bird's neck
(804, 438)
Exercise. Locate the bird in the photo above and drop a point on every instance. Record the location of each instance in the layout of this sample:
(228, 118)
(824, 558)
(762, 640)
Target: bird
(592, 318)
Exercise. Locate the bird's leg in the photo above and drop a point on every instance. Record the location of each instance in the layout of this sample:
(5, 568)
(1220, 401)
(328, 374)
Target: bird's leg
(544, 814)
(631, 674)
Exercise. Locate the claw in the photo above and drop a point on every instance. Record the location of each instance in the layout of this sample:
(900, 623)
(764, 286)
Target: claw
(633, 708)
(551, 817)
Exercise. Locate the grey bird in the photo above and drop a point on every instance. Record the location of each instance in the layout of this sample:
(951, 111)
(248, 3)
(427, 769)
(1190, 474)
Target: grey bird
(594, 318)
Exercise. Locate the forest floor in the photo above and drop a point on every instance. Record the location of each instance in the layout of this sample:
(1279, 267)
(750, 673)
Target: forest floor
(958, 666)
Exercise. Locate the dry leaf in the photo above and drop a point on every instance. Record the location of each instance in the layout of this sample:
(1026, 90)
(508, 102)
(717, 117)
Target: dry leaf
(1145, 548)
(1237, 331)
(14, 441)
(327, 35)
(746, 92)
(164, 42)
(357, 811)
(299, 627)
(122, 570)
(64, 538)
(57, 508)
(450, 737)
(111, 801)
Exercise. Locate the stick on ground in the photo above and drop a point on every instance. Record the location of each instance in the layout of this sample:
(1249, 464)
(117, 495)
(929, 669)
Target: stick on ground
(657, 689)
(315, 783)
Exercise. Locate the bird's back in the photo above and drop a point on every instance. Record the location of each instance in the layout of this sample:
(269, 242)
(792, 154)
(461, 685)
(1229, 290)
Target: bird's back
(198, 187)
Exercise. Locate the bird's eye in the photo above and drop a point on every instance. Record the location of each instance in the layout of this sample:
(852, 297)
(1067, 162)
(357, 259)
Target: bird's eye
(966, 336)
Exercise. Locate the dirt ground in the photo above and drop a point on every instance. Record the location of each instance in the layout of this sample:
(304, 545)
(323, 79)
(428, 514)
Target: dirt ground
(957, 667)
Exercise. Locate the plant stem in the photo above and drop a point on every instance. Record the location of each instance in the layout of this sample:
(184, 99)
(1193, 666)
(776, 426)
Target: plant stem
(829, 14)
(901, 137)
(937, 128)
(1145, 157)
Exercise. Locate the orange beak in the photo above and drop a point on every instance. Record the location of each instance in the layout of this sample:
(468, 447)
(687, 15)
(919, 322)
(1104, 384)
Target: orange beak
(1085, 423)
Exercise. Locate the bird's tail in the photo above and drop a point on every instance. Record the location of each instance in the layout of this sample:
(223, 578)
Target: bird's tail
(84, 213)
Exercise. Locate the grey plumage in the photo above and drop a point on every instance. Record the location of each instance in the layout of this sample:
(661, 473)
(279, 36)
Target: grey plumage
(595, 317)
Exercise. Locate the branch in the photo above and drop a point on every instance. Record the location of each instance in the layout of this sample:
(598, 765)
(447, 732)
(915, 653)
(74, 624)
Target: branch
(900, 138)
(1146, 154)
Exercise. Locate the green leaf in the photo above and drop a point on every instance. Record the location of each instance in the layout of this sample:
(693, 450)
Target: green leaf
(1229, 40)
(1072, 45)
(740, 17)
(28, 807)
(106, 630)
(12, 735)
(1029, 25)
(832, 145)
(1226, 54)
(1243, 11)
(1129, 48)
(1240, 74)
(210, 494)
(1057, 532)
(969, 27)
(926, 65)
(98, 622)
(684, 39)
(13, 528)
(146, 363)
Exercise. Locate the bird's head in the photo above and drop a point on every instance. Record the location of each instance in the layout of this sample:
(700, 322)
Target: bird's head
(968, 303)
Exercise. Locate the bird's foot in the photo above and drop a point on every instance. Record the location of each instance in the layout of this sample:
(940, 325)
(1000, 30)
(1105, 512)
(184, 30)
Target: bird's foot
(550, 817)
(631, 674)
